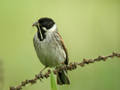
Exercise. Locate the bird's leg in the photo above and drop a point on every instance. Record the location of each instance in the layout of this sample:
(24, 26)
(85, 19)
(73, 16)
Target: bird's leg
(43, 70)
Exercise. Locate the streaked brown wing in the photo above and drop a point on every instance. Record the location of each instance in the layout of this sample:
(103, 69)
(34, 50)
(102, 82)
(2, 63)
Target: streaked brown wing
(63, 45)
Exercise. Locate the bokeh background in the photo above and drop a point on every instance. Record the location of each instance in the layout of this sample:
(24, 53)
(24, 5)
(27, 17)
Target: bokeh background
(89, 28)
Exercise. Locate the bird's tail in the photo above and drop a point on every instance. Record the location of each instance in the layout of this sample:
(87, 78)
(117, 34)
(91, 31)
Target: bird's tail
(62, 78)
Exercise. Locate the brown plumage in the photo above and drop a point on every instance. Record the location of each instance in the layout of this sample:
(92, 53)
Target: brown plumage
(62, 75)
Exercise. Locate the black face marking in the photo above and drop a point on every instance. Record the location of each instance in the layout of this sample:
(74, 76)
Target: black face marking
(42, 32)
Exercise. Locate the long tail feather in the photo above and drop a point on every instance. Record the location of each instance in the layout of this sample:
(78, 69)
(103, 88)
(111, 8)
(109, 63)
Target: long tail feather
(62, 78)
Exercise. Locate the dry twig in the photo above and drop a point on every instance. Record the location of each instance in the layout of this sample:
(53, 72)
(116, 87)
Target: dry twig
(69, 67)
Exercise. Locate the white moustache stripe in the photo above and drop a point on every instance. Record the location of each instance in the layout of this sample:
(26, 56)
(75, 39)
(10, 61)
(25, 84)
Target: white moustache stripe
(40, 33)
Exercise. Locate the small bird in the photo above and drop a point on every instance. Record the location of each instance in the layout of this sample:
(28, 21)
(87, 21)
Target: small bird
(50, 48)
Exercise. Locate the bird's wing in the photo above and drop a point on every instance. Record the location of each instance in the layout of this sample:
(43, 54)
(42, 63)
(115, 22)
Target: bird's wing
(60, 40)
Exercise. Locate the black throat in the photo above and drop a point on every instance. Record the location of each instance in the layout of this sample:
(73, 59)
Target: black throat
(42, 32)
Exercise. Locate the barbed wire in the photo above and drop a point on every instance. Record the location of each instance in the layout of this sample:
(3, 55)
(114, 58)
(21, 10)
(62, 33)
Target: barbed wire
(71, 66)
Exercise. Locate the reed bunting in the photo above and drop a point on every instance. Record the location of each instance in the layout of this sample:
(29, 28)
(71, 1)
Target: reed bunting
(50, 48)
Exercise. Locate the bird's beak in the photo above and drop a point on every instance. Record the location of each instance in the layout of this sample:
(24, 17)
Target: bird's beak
(35, 24)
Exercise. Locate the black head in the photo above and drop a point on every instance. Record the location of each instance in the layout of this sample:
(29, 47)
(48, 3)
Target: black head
(46, 22)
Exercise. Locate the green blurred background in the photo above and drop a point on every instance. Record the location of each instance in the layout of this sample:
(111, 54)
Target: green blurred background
(89, 28)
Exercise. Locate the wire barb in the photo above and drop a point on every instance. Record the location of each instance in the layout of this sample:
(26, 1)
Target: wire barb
(71, 66)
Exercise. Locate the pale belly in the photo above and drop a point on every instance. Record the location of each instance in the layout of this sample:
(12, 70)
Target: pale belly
(49, 52)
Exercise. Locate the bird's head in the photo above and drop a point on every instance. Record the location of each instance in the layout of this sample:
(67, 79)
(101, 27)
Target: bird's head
(44, 25)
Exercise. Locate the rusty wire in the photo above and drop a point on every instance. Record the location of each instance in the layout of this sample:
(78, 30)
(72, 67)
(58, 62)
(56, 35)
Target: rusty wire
(69, 67)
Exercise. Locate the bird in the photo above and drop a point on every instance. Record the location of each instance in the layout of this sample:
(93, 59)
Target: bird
(50, 48)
